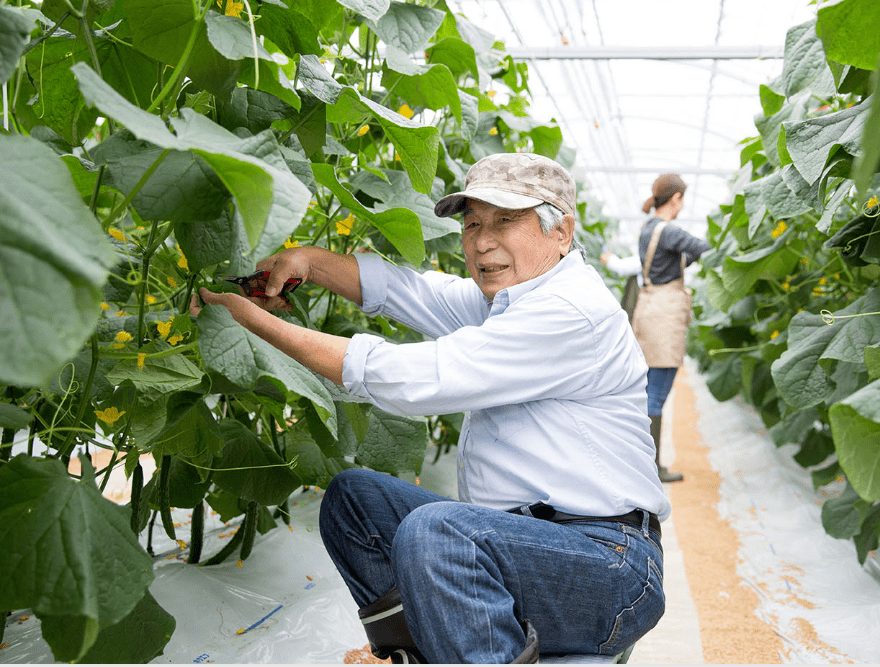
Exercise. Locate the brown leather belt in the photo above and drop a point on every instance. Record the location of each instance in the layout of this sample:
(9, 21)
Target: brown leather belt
(549, 513)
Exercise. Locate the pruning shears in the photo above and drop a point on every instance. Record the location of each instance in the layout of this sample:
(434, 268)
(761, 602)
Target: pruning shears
(255, 284)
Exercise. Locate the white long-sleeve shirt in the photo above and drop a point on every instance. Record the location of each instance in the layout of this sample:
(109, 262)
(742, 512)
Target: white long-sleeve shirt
(550, 373)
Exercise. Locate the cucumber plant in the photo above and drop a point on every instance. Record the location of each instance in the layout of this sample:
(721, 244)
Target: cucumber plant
(788, 309)
(150, 149)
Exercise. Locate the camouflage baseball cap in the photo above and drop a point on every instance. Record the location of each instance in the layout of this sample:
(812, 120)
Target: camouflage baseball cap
(513, 181)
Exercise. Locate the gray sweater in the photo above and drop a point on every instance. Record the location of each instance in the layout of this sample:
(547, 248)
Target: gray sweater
(674, 242)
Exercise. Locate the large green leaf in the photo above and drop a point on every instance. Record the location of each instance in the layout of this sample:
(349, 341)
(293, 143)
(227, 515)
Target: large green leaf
(813, 141)
(400, 226)
(158, 377)
(841, 517)
(15, 29)
(396, 192)
(190, 431)
(270, 198)
(430, 86)
(244, 358)
(800, 378)
(457, 55)
(804, 65)
(848, 32)
(741, 272)
(868, 161)
(293, 29)
(794, 109)
(417, 145)
(232, 38)
(49, 238)
(407, 27)
(371, 10)
(182, 188)
(206, 243)
(250, 469)
(393, 444)
(67, 552)
(227, 153)
(137, 639)
(162, 31)
(59, 104)
(855, 423)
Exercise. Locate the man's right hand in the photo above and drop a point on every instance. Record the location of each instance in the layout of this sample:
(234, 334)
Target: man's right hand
(338, 273)
(287, 264)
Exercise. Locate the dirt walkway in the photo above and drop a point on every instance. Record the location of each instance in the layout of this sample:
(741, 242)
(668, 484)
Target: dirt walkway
(730, 630)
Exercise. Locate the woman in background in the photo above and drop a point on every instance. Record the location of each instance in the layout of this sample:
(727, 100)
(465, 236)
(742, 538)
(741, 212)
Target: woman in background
(662, 313)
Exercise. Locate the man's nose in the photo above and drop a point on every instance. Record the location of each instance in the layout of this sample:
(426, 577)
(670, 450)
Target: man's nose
(485, 240)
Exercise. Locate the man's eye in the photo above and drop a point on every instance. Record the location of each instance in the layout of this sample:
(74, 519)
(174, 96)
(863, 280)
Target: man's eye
(470, 225)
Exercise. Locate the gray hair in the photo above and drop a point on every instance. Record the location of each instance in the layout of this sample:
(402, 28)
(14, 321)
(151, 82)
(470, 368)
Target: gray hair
(551, 217)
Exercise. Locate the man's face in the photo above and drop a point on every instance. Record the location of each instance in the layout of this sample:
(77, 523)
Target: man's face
(504, 248)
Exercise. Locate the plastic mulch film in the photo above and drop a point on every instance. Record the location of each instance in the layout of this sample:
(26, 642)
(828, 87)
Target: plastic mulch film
(285, 604)
(812, 590)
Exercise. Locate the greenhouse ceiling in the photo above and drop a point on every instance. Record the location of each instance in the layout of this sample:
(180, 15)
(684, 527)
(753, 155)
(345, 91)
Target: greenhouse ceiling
(644, 87)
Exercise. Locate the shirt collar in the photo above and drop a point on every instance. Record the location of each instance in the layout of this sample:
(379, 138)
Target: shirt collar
(508, 295)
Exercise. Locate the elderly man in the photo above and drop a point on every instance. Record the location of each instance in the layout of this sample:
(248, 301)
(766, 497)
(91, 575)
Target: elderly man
(555, 535)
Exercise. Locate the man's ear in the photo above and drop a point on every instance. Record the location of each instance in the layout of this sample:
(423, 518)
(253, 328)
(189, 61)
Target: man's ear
(565, 233)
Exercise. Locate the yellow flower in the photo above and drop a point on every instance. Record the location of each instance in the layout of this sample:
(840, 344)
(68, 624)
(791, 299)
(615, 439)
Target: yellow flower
(822, 281)
(291, 244)
(151, 299)
(116, 234)
(175, 339)
(406, 111)
(774, 335)
(232, 8)
(110, 415)
(164, 327)
(493, 131)
(817, 291)
(105, 305)
(123, 337)
(872, 202)
(171, 281)
(142, 356)
(363, 130)
(121, 313)
(182, 263)
(786, 285)
(343, 227)
(780, 229)
(804, 261)
(312, 203)
(491, 93)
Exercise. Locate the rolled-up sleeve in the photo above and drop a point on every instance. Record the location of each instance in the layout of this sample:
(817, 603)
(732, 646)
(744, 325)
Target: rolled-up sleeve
(481, 367)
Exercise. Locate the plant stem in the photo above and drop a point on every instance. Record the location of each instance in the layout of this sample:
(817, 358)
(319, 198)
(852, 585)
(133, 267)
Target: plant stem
(145, 273)
(116, 212)
(65, 449)
(179, 70)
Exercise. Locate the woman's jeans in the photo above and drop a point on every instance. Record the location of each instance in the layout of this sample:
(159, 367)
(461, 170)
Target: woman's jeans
(659, 384)
(468, 575)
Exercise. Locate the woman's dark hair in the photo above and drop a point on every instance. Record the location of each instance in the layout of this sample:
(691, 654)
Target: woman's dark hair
(664, 187)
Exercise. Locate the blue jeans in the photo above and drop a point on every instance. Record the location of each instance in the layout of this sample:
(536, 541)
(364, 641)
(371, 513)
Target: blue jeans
(468, 575)
(659, 384)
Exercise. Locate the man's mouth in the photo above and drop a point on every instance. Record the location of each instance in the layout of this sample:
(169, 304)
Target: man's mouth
(492, 268)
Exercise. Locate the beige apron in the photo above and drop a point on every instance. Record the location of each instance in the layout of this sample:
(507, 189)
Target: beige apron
(662, 314)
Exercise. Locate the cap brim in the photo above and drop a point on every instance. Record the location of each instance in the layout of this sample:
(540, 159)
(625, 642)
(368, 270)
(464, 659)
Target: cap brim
(454, 203)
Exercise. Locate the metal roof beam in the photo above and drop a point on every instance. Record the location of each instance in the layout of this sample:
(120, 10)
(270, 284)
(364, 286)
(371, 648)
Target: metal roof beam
(691, 171)
(646, 53)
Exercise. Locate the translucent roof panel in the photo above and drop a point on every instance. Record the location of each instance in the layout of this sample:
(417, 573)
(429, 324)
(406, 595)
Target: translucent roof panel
(644, 87)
